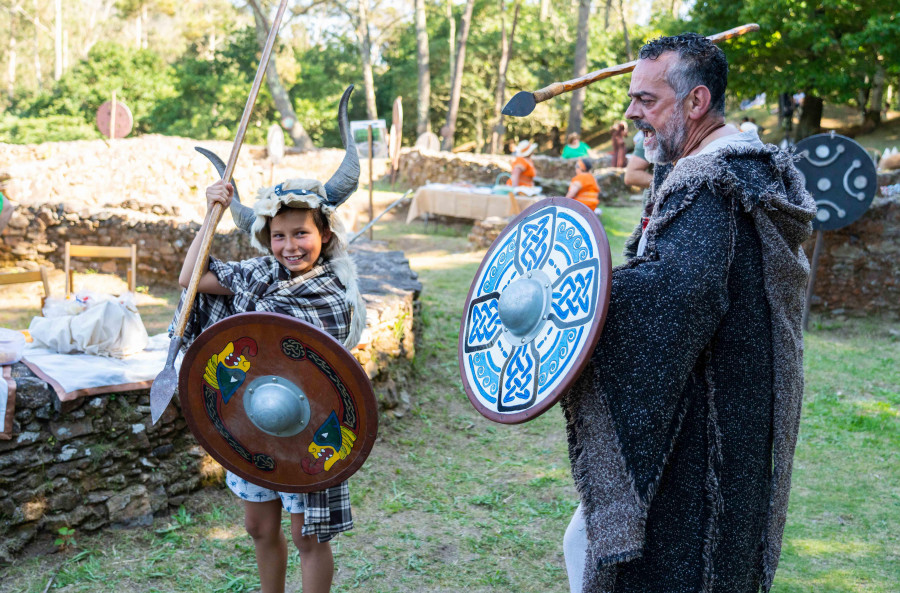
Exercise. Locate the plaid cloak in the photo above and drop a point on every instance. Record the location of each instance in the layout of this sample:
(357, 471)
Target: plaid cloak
(317, 297)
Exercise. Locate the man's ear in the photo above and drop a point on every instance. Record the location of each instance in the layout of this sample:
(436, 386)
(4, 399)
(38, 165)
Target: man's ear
(698, 102)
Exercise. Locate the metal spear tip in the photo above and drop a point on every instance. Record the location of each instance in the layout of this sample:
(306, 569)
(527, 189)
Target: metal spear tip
(522, 104)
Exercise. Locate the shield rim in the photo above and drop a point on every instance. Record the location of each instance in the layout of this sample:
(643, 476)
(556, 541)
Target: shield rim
(367, 399)
(603, 294)
(817, 225)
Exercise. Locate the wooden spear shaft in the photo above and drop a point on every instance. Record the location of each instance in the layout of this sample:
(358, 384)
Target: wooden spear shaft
(558, 88)
(215, 214)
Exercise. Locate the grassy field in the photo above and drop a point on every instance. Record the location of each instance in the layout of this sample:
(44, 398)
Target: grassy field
(449, 501)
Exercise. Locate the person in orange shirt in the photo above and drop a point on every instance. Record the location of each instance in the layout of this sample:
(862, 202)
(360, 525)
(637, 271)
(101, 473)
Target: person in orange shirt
(583, 186)
(523, 172)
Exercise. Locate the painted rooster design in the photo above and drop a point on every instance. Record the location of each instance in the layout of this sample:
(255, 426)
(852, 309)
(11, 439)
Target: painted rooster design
(226, 370)
(330, 443)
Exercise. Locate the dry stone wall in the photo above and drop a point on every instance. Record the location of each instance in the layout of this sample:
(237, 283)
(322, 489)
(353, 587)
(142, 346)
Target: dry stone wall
(859, 268)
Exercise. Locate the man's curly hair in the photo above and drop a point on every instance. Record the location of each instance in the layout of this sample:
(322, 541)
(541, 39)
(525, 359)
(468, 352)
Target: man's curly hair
(700, 62)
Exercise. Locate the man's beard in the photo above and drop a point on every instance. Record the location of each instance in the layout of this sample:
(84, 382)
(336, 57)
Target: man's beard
(669, 141)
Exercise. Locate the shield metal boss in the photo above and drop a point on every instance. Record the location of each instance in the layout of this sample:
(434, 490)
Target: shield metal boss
(535, 310)
(278, 402)
(841, 177)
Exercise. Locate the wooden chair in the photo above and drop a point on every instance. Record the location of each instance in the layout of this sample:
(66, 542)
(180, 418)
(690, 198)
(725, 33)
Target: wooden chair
(42, 275)
(97, 251)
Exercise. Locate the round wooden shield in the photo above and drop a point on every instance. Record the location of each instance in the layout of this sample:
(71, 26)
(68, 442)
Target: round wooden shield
(278, 402)
(124, 119)
(535, 310)
(841, 177)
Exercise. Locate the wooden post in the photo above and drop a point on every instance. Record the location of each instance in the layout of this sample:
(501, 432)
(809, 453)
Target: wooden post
(371, 197)
(812, 277)
(112, 118)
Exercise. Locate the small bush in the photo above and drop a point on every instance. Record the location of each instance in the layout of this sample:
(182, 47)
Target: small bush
(51, 128)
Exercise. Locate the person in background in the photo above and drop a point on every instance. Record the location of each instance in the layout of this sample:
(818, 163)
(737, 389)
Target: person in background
(523, 171)
(638, 171)
(618, 144)
(583, 186)
(574, 148)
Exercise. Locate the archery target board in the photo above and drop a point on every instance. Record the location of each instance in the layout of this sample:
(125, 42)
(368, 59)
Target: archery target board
(535, 310)
(841, 177)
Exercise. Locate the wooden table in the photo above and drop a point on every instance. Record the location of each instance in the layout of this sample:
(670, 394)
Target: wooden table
(460, 201)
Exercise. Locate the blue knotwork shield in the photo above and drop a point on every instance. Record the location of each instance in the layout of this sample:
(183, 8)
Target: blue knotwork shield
(535, 310)
(841, 177)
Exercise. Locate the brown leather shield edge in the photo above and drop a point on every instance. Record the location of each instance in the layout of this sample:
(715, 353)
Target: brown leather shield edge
(519, 354)
(261, 365)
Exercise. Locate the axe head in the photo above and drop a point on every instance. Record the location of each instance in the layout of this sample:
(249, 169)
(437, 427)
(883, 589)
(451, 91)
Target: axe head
(522, 104)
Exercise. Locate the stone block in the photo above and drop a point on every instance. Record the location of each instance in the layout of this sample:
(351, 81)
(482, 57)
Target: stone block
(130, 506)
(64, 431)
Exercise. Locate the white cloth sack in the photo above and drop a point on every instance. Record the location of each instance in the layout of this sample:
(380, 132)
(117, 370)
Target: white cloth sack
(105, 327)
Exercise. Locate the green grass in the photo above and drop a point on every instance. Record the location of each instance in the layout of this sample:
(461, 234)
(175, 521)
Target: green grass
(449, 501)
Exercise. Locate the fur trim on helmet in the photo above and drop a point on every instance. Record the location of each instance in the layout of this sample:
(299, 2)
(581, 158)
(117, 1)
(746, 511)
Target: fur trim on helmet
(309, 194)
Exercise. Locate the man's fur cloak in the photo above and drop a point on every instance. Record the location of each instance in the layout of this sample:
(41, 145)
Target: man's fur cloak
(683, 427)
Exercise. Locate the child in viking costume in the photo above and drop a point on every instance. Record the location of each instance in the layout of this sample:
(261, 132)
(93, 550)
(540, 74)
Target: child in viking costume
(306, 273)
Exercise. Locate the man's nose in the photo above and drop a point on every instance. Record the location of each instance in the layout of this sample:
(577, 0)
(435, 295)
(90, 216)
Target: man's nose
(631, 112)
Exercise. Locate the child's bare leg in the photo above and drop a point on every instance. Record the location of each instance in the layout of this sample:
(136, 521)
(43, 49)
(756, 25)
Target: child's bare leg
(316, 560)
(263, 523)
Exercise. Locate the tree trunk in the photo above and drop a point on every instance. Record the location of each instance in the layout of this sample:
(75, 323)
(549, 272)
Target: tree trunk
(576, 105)
(628, 51)
(451, 39)
(479, 131)
(606, 15)
(499, 130)
(11, 56)
(364, 44)
(279, 95)
(57, 41)
(456, 88)
(876, 99)
(38, 74)
(810, 117)
(423, 59)
(545, 10)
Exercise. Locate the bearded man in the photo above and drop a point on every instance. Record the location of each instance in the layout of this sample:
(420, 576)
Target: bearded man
(682, 429)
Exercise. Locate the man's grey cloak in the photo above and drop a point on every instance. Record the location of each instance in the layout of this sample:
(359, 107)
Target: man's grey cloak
(683, 427)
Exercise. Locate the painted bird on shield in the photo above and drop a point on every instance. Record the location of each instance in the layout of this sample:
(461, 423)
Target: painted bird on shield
(226, 370)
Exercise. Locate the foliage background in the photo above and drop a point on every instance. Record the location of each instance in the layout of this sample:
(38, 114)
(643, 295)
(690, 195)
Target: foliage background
(186, 68)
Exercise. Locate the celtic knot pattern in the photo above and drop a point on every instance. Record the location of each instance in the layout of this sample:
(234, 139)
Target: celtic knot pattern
(293, 348)
(348, 404)
(534, 244)
(485, 322)
(210, 402)
(518, 376)
(573, 296)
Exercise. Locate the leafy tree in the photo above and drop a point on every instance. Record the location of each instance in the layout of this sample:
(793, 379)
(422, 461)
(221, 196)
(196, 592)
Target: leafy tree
(139, 77)
(209, 95)
(834, 50)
